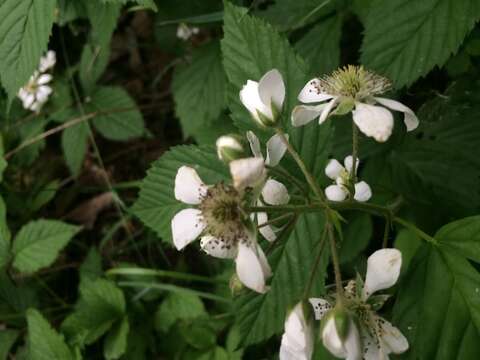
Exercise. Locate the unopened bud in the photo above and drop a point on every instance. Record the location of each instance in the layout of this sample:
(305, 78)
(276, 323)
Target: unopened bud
(235, 285)
(340, 334)
(229, 148)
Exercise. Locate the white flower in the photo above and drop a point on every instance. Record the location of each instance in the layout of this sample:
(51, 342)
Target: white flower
(185, 32)
(229, 148)
(354, 88)
(48, 61)
(349, 348)
(37, 91)
(297, 339)
(341, 175)
(379, 337)
(217, 217)
(272, 191)
(264, 99)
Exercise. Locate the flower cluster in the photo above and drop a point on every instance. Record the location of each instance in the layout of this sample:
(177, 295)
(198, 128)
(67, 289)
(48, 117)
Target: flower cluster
(351, 329)
(37, 91)
(185, 32)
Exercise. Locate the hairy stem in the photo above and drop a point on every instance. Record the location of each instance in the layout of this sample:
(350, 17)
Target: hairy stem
(316, 263)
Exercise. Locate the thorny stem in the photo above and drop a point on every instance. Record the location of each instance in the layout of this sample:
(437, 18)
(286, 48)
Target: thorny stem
(308, 176)
(277, 219)
(386, 232)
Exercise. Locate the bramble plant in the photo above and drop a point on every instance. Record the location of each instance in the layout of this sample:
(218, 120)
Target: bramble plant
(317, 198)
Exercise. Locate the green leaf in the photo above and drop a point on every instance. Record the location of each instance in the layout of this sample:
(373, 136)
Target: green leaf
(438, 163)
(118, 118)
(38, 243)
(104, 18)
(199, 89)
(438, 306)
(356, 236)
(462, 236)
(93, 63)
(156, 204)
(261, 316)
(421, 35)
(24, 32)
(44, 343)
(320, 46)
(289, 15)
(91, 268)
(178, 306)
(250, 48)
(115, 343)
(7, 339)
(148, 4)
(5, 235)
(3, 162)
(101, 305)
(74, 145)
(408, 243)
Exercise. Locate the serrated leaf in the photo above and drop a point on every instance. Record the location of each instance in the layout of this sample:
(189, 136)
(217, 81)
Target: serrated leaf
(156, 204)
(119, 118)
(250, 48)
(7, 339)
(104, 18)
(44, 343)
(356, 236)
(93, 63)
(101, 305)
(24, 32)
(320, 46)
(38, 243)
(199, 89)
(405, 39)
(261, 316)
(149, 4)
(115, 343)
(91, 268)
(438, 306)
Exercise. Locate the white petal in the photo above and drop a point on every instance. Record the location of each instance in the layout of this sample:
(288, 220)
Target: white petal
(372, 349)
(331, 339)
(311, 93)
(334, 169)
(267, 271)
(320, 307)
(276, 149)
(44, 79)
(362, 191)
(250, 98)
(187, 225)
(249, 172)
(383, 269)
(393, 338)
(272, 89)
(410, 119)
(373, 121)
(303, 114)
(217, 247)
(326, 111)
(352, 343)
(254, 144)
(43, 93)
(28, 101)
(335, 193)
(349, 163)
(47, 61)
(275, 193)
(189, 188)
(266, 231)
(249, 269)
(297, 340)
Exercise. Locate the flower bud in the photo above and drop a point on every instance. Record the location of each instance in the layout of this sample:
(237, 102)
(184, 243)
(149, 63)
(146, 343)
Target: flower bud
(235, 285)
(340, 334)
(229, 148)
(297, 340)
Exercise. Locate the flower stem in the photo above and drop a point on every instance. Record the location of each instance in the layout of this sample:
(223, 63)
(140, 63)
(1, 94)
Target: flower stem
(308, 176)
(353, 173)
(282, 172)
(415, 229)
(335, 261)
(277, 219)
(316, 264)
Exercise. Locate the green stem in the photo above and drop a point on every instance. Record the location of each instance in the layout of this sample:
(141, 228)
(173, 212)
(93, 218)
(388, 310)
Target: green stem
(336, 263)
(415, 229)
(162, 273)
(308, 176)
(277, 219)
(316, 263)
(282, 172)
(386, 232)
(353, 173)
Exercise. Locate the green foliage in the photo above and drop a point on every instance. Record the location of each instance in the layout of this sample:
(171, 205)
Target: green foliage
(421, 35)
(117, 115)
(7, 339)
(38, 243)
(178, 306)
(101, 305)
(44, 343)
(5, 235)
(116, 341)
(24, 34)
(199, 89)
(156, 204)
